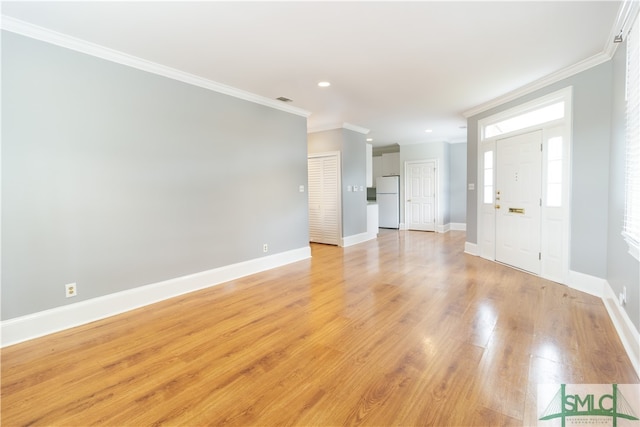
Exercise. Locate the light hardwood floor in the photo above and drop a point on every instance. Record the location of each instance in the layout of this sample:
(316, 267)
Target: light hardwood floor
(405, 330)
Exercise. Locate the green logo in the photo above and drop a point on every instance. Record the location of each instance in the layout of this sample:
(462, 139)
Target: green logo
(587, 405)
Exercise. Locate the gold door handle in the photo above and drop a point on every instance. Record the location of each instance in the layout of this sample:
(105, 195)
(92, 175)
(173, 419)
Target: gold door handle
(497, 206)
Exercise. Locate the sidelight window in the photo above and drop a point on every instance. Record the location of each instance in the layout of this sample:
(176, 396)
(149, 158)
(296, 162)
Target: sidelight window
(488, 177)
(554, 172)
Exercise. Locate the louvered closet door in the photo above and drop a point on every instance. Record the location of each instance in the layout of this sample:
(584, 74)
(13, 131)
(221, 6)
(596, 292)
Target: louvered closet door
(323, 200)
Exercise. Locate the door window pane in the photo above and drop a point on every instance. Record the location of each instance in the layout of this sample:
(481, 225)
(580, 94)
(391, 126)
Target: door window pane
(488, 177)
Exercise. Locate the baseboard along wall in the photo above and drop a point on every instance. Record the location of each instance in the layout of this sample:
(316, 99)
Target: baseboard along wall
(57, 319)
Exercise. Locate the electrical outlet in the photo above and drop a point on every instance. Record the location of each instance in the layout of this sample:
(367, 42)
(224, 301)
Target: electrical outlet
(265, 248)
(622, 296)
(70, 290)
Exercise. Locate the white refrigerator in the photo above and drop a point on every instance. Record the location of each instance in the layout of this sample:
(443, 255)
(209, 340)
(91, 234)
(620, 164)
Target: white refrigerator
(388, 198)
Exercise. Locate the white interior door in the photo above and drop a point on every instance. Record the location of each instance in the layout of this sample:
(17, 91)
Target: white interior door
(420, 194)
(324, 199)
(518, 200)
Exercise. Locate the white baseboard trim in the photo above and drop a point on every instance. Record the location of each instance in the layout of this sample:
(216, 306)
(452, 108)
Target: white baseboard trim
(589, 284)
(402, 226)
(471, 248)
(442, 228)
(358, 238)
(46, 322)
(458, 226)
(624, 326)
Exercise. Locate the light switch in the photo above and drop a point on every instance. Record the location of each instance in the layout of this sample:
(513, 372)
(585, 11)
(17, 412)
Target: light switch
(361, 188)
(349, 188)
(301, 188)
(472, 186)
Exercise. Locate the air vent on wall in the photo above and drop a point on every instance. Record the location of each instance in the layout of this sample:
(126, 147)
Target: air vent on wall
(283, 99)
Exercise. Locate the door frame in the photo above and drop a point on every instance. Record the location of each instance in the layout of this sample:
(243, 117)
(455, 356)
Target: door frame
(335, 154)
(553, 269)
(436, 182)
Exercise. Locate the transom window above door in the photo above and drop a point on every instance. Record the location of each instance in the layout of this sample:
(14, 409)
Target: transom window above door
(523, 118)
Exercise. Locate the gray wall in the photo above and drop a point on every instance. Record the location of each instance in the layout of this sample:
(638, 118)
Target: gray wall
(458, 183)
(622, 269)
(590, 166)
(354, 173)
(114, 178)
(353, 156)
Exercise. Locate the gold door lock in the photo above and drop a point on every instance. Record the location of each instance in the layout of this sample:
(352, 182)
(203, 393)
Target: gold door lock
(497, 206)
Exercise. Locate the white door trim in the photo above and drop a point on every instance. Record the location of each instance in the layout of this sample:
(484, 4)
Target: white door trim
(562, 127)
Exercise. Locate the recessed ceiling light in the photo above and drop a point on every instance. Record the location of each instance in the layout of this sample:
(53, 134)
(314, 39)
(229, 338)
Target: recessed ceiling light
(324, 84)
(428, 130)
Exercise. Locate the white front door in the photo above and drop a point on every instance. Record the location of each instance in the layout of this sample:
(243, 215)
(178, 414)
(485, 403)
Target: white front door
(420, 194)
(518, 200)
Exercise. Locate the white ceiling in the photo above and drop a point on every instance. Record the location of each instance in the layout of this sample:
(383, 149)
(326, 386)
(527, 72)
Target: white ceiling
(396, 68)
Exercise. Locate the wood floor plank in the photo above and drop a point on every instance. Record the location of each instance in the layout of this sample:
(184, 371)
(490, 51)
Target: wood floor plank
(404, 330)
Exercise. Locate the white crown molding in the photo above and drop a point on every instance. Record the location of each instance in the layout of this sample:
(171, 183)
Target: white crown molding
(43, 34)
(323, 128)
(355, 128)
(405, 143)
(627, 14)
(584, 65)
(334, 126)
